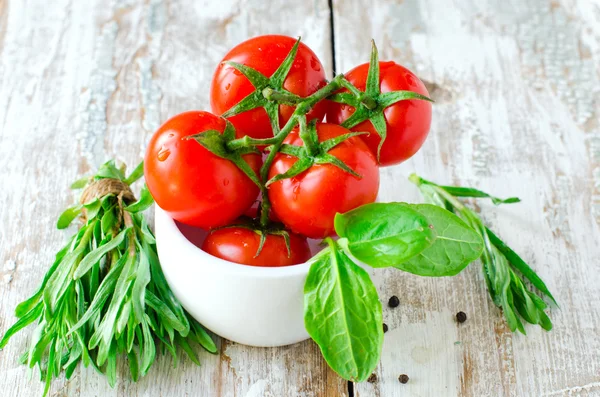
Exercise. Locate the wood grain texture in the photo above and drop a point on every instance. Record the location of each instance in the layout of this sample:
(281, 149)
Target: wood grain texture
(82, 82)
(517, 91)
(517, 113)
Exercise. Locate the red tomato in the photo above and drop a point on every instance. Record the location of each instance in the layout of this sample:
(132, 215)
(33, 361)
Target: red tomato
(240, 245)
(193, 185)
(308, 202)
(408, 121)
(265, 54)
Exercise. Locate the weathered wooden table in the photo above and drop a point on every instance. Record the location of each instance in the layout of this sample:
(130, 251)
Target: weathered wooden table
(517, 113)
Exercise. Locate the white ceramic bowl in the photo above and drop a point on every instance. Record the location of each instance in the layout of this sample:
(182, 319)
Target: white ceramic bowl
(255, 306)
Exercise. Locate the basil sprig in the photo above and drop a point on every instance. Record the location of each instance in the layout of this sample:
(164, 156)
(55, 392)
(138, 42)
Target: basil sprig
(384, 234)
(342, 311)
(343, 314)
(455, 246)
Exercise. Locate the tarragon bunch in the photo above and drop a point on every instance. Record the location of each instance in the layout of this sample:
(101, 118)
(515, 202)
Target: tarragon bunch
(105, 295)
(502, 267)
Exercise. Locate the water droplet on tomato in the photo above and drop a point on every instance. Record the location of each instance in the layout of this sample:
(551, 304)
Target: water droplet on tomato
(315, 64)
(351, 108)
(343, 107)
(171, 135)
(296, 191)
(163, 153)
(228, 86)
(225, 182)
(237, 72)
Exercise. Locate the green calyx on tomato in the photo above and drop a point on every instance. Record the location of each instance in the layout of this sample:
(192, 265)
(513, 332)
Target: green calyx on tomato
(371, 105)
(313, 152)
(307, 202)
(216, 143)
(253, 248)
(269, 92)
(263, 232)
(194, 185)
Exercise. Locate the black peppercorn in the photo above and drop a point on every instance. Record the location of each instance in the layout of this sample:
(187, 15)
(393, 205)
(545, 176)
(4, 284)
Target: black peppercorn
(461, 317)
(394, 301)
(403, 378)
(372, 378)
(385, 328)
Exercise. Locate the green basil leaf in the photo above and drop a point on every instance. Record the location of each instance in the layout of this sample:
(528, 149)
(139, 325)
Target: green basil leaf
(65, 219)
(384, 234)
(143, 203)
(455, 246)
(343, 315)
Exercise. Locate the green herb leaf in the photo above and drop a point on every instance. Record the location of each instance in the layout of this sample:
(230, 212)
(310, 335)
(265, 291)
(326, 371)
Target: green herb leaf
(65, 219)
(92, 208)
(80, 183)
(343, 315)
(499, 261)
(520, 265)
(203, 338)
(137, 173)
(143, 203)
(94, 257)
(384, 234)
(24, 321)
(456, 245)
(109, 170)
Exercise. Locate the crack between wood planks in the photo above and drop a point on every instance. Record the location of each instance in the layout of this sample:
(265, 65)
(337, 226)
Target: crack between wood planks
(350, 389)
(332, 30)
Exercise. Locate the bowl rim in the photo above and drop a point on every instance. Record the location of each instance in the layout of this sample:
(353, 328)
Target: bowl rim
(210, 262)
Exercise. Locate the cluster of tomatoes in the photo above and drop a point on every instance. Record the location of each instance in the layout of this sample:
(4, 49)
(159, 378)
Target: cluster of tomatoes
(202, 188)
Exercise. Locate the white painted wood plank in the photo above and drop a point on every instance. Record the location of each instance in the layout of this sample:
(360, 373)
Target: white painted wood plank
(517, 90)
(81, 82)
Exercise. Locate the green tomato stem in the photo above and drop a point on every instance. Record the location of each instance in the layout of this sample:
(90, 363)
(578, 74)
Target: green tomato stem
(302, 109)
(366, 100)
(310, 146)
(247, 142)
(281, 97)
